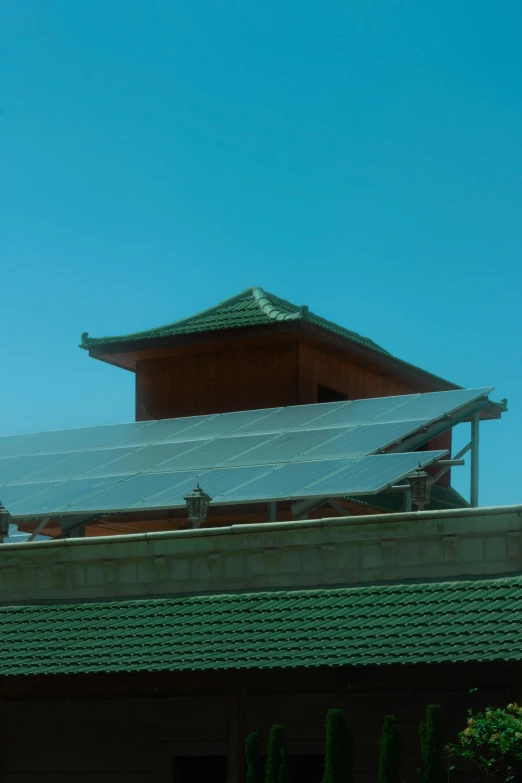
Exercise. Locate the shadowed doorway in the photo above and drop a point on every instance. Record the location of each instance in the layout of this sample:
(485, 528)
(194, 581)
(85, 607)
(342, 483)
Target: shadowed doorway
(189, 769)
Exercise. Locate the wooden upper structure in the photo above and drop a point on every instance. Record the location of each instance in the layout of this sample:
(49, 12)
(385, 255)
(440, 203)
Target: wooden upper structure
(255, 351)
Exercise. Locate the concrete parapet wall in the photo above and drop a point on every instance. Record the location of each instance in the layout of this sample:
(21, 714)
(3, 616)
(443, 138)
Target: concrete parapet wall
(347, 550)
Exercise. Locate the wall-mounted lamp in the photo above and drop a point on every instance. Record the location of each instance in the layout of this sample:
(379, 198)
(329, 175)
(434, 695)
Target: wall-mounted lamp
(5, 518)
(197, 506)
(420, 487)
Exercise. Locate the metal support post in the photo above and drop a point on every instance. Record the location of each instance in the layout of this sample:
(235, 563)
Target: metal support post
(474, 485)
(343, 512)
(40, 526)
(407, 500)
(271, 508)
(72, 529)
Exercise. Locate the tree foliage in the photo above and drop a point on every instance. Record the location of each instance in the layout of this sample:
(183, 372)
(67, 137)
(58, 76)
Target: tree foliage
(276, 763)
(492, 742)
(432, 746)
(254, 770)
(390, 752)
(338, 763)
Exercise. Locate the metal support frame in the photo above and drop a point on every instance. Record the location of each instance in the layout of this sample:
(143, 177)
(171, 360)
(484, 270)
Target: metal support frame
(272, 511)
(72, 529)
(301, 508)
(338, 507)
(456, 460)
(39, 527)
(69, 524)
(422, 436)
(475, 438)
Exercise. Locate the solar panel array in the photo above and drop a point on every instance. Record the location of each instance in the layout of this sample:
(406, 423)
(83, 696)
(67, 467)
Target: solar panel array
(302, 451)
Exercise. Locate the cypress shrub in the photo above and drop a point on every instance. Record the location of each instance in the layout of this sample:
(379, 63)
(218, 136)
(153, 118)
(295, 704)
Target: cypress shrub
(276, 763)
(338, 762)
(432, 746)
(390, 751)
(254, 771)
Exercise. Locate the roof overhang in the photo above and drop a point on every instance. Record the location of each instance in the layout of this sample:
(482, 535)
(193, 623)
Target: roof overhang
(126, 354)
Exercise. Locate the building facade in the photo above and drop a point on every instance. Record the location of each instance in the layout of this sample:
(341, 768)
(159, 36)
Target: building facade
(137, 649)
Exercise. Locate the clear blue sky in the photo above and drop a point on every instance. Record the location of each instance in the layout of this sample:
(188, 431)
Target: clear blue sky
(363, 158)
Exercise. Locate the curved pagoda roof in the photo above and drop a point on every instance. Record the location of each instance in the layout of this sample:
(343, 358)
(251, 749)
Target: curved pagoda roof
(251, 308)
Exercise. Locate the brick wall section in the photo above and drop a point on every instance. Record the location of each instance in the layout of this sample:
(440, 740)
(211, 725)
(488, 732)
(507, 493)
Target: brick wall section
(348, 550)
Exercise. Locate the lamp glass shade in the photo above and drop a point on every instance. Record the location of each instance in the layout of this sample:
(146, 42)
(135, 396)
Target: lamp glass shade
(420, 487)
(197, 504)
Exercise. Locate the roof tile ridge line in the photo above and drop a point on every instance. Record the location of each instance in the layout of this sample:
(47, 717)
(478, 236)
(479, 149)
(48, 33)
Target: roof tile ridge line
(267, 304)
(86, 340)
(348, 332)
(269, 308)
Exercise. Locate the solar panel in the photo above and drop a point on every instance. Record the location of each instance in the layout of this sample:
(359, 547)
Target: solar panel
(63, 441)
(156, 490)
(286, 447)
(227, 423)
(128, 492)
(238, 457)
(355, 412)
(329, 478)
(286, 419)
(432, 406)
(49, 498)
(144, 460)
(365, 439)
(209, 454)
(9, 442)
(284, 481)
(163, 431)
(217, 483)
(13, 470)
(371, 474)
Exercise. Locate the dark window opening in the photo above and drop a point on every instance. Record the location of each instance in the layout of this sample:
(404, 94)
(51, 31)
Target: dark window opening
(307, 768)
(188, 769)
(326, 394)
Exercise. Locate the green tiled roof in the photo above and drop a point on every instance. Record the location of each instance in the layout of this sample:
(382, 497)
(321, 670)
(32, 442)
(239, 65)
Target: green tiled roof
(253, 307)
(401, 623)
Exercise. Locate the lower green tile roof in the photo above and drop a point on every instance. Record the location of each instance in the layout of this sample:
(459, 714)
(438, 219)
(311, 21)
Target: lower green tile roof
(437, 622)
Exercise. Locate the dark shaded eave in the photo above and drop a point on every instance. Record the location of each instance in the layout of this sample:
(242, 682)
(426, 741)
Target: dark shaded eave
(252, 311)
(125, 354)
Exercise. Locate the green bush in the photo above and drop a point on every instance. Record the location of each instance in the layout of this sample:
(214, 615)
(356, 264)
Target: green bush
(276, 763)
(254, 770)
(390, 752)
(432, 746)
(492, 742)
(338, 762)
